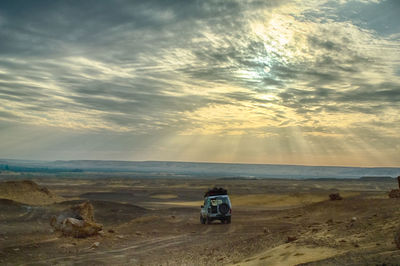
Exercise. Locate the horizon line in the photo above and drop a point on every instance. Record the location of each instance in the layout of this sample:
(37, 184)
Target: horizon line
(199, 162)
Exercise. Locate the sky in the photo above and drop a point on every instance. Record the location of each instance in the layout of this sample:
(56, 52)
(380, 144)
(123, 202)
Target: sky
(278, 82)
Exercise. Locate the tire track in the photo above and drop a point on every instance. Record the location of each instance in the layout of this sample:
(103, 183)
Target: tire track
(116, 254)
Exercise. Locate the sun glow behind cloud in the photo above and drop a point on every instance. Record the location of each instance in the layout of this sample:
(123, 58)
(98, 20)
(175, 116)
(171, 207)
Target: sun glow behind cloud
(277, 82)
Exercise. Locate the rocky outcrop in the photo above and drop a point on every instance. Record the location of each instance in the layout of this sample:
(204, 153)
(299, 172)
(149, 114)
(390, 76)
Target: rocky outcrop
(28, 192)
(78, 221)
(79, 228)
(84, 211)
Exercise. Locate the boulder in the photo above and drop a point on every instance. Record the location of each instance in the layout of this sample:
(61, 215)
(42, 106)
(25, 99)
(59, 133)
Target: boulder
(78, 221)
(85, 211)
(79, 228)
(335, 196)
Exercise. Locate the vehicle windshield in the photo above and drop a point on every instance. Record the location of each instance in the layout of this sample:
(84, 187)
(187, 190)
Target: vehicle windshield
(218, 201)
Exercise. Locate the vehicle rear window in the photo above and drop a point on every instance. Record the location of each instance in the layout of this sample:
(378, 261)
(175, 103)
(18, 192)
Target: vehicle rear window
(218, 201)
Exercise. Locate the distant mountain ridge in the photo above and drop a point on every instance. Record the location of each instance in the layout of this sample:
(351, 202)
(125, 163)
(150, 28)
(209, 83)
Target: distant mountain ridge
(194, 169)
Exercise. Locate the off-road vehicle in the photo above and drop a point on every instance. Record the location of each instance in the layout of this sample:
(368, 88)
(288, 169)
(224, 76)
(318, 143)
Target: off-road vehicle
(217, 206)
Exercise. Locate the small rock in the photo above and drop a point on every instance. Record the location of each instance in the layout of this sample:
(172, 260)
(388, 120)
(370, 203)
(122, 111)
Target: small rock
(330, 221)
(16, 249)
(335, 196)
(111, 231)
(138, 233)
(353, 219)
(120, 236)
(173, 216)
(67, 246)
(291, 239)
(95, 245)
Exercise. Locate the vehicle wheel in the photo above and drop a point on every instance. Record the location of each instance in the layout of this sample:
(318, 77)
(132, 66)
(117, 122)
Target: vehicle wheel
(202, 221)
(228, 220)
(224, 208)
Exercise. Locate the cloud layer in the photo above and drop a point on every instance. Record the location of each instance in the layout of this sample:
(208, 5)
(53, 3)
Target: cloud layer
(310, 82)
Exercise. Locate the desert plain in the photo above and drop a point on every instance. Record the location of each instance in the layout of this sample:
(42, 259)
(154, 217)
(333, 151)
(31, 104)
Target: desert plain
(155, 221)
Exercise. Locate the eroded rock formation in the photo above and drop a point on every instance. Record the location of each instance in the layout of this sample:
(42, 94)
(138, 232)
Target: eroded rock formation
(78, 221)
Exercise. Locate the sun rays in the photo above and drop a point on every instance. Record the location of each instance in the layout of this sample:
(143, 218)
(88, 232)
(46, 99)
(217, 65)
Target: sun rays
(288, 82)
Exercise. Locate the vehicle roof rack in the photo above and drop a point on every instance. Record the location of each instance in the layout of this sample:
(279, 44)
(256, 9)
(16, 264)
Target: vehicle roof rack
(216, 192)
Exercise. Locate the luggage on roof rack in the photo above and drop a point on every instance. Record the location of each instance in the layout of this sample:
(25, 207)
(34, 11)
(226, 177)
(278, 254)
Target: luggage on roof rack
(216, 191)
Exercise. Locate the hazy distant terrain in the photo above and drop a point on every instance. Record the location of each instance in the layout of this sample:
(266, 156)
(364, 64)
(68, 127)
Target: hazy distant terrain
(190, 169)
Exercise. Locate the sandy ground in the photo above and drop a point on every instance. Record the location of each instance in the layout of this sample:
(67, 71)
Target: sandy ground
(156, 222)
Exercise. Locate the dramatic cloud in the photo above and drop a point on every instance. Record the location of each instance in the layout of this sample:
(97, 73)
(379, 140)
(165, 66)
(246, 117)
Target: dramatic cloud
(305, 82)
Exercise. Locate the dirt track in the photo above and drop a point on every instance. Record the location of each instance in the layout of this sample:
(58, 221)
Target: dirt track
(164, 231)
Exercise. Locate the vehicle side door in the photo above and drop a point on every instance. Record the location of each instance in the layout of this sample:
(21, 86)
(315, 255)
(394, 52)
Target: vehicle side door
(205, 207)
